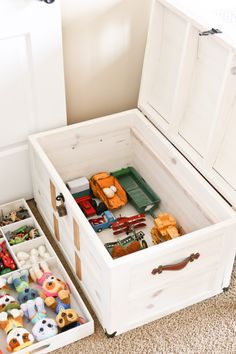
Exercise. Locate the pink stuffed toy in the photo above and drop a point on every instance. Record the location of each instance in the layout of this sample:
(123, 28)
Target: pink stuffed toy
(50, 285)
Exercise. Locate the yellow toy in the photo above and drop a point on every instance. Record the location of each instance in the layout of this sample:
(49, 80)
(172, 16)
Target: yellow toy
(165, 228)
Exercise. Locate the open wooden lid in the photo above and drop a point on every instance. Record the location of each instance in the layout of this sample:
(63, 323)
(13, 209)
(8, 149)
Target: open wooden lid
(188, 87)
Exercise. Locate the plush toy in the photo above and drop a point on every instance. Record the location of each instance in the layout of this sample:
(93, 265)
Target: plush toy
(67, 318)
(44, 327)
(50, 285)
(18, 337)
(7, 302)
(61, 302)
(19, 282)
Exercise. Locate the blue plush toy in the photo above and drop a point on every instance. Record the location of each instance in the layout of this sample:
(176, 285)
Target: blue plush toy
(44, 327)
(19, 282)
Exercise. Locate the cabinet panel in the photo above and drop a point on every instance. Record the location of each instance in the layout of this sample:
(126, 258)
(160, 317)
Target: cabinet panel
(225, 163)
(169, 51)
(31, 69)
(206, 82)
(16, 90)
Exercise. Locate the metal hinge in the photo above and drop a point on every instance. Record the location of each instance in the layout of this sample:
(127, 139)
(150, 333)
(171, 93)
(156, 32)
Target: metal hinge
(211, 31)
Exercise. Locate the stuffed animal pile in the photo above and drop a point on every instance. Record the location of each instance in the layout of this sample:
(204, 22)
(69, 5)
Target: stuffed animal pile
(30, 306)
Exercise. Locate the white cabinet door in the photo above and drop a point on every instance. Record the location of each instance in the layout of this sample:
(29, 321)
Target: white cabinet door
(32, 94)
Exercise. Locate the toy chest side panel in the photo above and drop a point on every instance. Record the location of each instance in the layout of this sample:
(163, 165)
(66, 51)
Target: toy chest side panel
(71, 235)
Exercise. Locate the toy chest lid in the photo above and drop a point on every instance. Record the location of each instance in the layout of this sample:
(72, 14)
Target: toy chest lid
(188, 87)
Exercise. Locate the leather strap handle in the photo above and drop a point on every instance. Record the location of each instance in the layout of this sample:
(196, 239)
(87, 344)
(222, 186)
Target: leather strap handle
(176, 266)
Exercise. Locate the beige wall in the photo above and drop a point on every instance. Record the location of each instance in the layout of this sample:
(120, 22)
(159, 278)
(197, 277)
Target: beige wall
(104, 43)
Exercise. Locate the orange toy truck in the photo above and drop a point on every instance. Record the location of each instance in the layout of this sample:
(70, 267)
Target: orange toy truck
(108, 189)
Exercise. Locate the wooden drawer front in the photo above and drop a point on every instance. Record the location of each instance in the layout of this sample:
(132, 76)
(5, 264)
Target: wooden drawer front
(209, 249)
(172, 297)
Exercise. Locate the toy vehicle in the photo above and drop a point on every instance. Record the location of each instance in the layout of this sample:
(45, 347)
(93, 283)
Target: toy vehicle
(140, 194)
(134, 242)
(165, 228)
(79, 187)
(128, 224)
(87, 205)
(5, 257)
(108, 189)
(104, 222)
(100, 208)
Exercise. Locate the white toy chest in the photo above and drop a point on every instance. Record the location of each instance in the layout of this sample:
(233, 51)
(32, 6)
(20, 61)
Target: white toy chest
(181, 140)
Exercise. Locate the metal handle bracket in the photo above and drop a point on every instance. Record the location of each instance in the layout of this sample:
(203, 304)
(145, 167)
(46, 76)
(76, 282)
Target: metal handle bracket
(209, 32)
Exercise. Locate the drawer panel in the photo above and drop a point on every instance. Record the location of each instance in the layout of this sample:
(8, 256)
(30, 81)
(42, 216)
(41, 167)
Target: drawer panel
(210, 255)
(172, 296)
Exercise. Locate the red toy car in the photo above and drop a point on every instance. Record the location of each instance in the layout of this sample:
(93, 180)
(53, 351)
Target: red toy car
(86, 205)
(5, 257)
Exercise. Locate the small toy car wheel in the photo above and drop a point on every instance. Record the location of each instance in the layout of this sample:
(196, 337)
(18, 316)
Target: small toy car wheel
(144, 244)
(94, 204)
(1, 266)
(101, 207)
(99, 230)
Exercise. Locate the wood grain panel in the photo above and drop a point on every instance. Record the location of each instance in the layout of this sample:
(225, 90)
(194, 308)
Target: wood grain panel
(76, 235)
(53, 195)
(78, 266)
(56, 228)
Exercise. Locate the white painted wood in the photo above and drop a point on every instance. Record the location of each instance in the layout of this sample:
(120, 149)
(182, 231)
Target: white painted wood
(210, 249)
(207, 218)
(204, 93)
(197, 117)
(168, 57)
(225, 163)
(189, 96)
(31, 86)
(57, 268)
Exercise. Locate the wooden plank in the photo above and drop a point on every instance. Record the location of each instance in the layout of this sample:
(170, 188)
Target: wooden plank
(76, 235)
(78, 266)
(168, 55)
(56, 228)
(53, 195)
